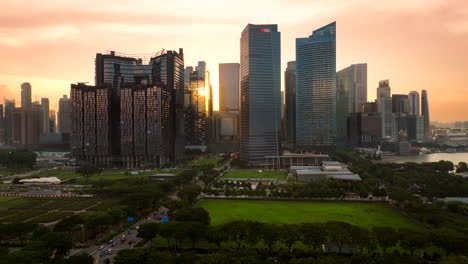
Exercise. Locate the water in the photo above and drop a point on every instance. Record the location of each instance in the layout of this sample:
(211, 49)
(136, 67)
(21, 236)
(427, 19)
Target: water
(434, 157)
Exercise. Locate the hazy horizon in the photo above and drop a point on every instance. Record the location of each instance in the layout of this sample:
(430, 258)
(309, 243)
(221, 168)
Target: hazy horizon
(418, 44)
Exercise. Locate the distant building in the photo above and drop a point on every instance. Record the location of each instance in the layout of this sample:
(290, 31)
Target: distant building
(290, 102)
(45, 115)
(226, 133)
(27, 124)
(370, 107)
(425, 113)
(26, 95)
(316, 90)
(53, 122)
(351, 94)
(64, 115)
(8, 120)
(384, 105)
(198, 105)
(2, 129)
(414, 104)
(229, 87)
(364, 129)
(328, 170)
(400, 103)
(260, 95)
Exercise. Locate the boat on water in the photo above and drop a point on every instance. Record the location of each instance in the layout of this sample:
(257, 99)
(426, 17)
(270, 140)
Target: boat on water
(451, 150)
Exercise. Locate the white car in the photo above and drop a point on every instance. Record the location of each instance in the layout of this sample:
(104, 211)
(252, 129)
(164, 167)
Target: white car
(101, 247)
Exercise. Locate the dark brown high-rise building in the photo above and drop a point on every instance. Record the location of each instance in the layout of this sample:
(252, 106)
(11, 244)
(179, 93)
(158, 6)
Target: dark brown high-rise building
(130, 118)
(27, 124)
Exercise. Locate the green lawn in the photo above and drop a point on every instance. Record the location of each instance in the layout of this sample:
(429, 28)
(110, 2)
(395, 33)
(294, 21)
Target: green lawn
(253, 174)
(202, 162)
(360, 214)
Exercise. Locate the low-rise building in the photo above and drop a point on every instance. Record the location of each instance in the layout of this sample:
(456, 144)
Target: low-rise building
(328, 170)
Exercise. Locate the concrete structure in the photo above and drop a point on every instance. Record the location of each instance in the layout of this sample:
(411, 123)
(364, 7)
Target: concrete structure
(198, 105)
(295, 159)
(328, 170)
(384, 105)
(364, 129)
(316, 90)
(351, 95)
(45, 115)
(425, 113)
(226, 132)
(290, 103)
(26, 95)
(27, 125)
(53, 122)
(414, 103)
(400, 103)
(8, 120)
(229, 87)
(260, 95)
(2, 126)
(162, 176)
(64, 115)
(134, 114)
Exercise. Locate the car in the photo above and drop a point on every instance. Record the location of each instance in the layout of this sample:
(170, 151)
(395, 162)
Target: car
(101, 247)
(129, 232)
(109, 251)
(131, 242)
(102, 253)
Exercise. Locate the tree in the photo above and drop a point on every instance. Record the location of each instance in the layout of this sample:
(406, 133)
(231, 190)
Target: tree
(339, 233)
(167, 230)
(270, 234)
(189, 193)
(148, 231)
(462, 167)
(386, 237)
(57, 242)
(80, 259)
(195, 231)
(237, 231)
(192, 214)
(130, 256)
(290, 234)
(313, 234)
(411, 239)
(216, 235)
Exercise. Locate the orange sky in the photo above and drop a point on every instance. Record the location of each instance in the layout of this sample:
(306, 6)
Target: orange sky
(417, 44)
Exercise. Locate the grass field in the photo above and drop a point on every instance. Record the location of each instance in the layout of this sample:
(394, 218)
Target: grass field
(201, 162)
(253, 174)
(361, 214)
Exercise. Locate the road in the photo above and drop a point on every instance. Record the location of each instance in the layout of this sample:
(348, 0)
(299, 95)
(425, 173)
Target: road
(130, 235)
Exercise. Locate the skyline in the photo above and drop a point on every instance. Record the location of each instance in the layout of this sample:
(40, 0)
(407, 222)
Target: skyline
(52, 44)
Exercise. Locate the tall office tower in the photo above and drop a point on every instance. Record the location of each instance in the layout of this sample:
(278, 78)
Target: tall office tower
(45, 115)
(229, 87)
(90, 135)
(365, 129)
(400, 103)
(8, 121)
(316, 90)
(351, 94)
(290, 102)
(384, 105)
(25, 95)
(64, 115)
(27, 124)
(414, 103)
(425, 113)
(260, 85)
(53, 123)
(2, 129)
(369, 107)
(198, 105)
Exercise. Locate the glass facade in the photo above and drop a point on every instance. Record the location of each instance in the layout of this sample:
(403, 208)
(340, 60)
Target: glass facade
(260, 96)
(316, 90)
(425, 113)
(290, 102)
(229, 87)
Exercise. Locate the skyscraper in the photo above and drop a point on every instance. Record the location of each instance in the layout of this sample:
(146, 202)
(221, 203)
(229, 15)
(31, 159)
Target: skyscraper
(2, 130)
(316, 90)
(384, 105)
(400, 103)
(25, 95)
(45, 115)
(229, 87)
(351, 94)
(290, 102)
(64, 115)
(414, 103)
(260, 82)
(425, 113)
(53, 123)
(8, 121)
(136, 103)
(198, 105)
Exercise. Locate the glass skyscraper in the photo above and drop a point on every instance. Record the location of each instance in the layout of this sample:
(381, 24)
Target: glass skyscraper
(290, 102)
(316, 90)
(260, 95)
(425, 113)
